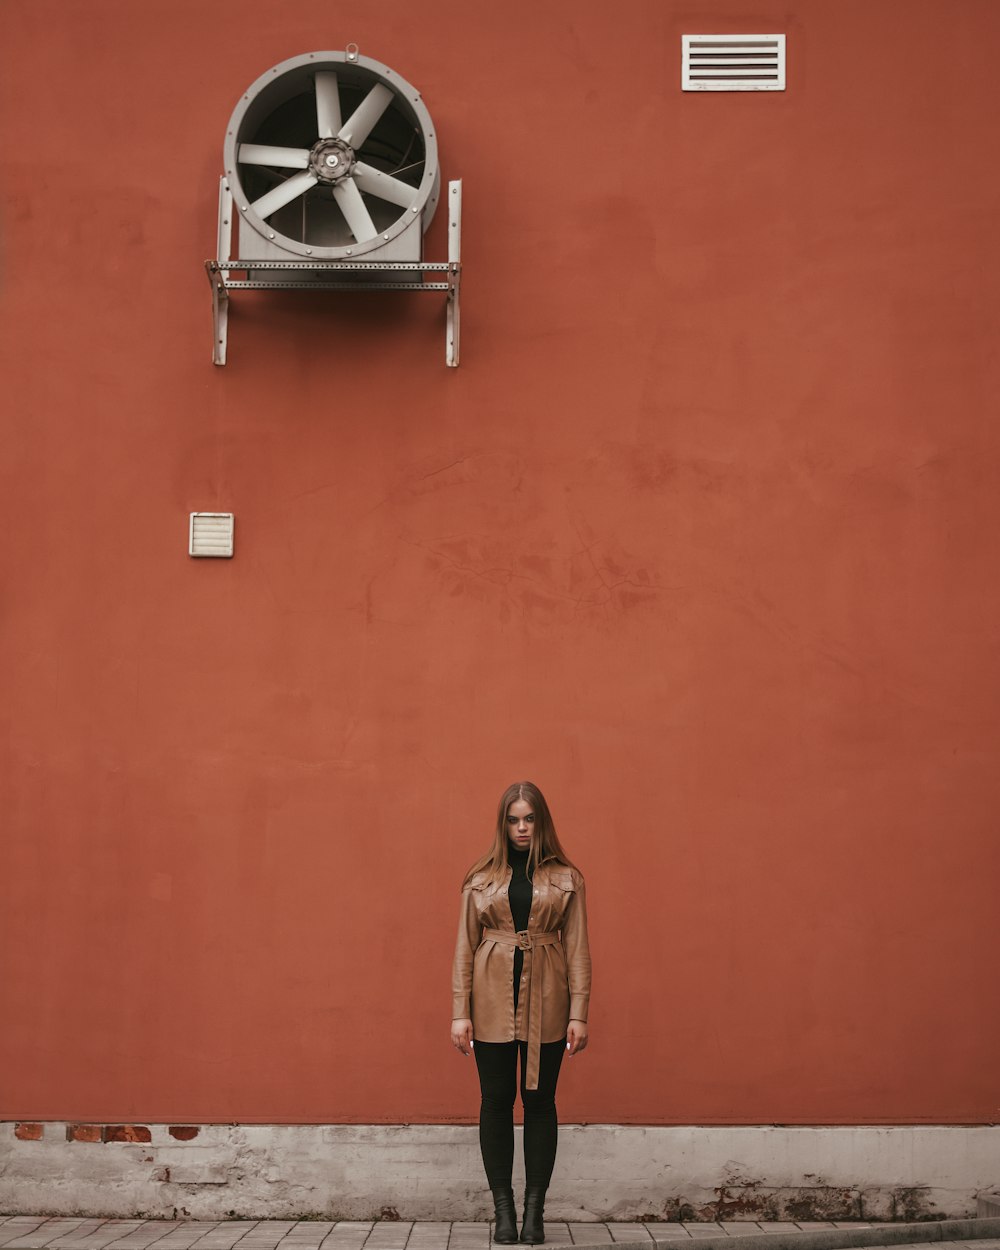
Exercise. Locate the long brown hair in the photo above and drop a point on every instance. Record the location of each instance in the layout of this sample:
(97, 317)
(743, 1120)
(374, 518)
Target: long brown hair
(544, 843)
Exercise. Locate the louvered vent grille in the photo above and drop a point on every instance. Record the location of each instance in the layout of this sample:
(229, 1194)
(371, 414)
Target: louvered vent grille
(733, 62)
(211, 534)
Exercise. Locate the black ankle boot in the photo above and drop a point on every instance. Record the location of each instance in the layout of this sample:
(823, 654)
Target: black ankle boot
(532, 1228)
(505, 1231)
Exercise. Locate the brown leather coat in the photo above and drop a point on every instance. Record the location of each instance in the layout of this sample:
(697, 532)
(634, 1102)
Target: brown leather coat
(555, 984)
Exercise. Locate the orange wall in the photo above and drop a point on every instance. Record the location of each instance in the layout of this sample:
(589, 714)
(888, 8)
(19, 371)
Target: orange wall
(702, 537)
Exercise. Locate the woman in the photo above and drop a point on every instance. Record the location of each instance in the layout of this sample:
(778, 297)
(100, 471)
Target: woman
(521, 987)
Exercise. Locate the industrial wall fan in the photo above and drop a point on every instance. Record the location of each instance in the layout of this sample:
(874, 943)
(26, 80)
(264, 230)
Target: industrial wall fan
(331, 172)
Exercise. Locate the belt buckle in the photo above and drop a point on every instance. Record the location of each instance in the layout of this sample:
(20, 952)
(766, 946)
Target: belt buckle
(523, 939)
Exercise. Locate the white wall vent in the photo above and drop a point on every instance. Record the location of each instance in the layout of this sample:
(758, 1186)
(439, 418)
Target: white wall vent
(211, 534)
(733, 62)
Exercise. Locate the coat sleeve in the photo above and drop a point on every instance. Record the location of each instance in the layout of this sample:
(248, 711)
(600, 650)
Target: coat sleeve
(577, 948)
(469, 934)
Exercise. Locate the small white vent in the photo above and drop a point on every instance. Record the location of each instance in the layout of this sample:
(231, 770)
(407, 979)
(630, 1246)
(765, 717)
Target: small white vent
(211, 534)
(733, 62)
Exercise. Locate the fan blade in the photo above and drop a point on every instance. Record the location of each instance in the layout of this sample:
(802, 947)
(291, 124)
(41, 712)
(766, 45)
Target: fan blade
(384, 186)
(327, 104)
(284, 194)
(359, 125)
(262, 154)
(352, 206)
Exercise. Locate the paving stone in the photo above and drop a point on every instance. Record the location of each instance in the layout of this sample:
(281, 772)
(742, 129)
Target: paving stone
(389, 1235)
(96, 1240)
(60, 1225)
(75, 1243)
(191, 1230)
(627, 1232)
(705, 1230)
(809, 1226)
(779, 1226)
(106, 1232)
(469, 1236)
(154, 1223)
(142, 1237)
(589, 1234)
(662, 1231)
(429, 1236)
(346, 1235)
(181, 1237)
(45, 1234)
(90, 1225)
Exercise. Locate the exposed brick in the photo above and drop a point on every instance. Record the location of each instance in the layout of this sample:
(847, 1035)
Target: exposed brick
(83, 1132)
(127, 1132)
(29, 1132)
(184, 1132)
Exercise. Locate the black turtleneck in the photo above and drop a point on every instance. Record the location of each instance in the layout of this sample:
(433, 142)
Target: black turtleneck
(519, 894)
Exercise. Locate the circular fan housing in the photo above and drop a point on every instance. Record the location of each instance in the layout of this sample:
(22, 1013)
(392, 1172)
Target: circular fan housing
(332, 155)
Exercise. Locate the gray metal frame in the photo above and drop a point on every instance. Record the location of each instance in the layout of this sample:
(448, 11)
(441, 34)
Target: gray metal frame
(323, 275)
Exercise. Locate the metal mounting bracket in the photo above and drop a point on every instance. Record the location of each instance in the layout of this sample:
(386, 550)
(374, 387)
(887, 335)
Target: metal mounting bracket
(324, 275)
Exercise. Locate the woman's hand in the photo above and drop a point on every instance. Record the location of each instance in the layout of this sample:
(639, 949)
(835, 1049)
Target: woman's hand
(576, 1036)
(461, 1036)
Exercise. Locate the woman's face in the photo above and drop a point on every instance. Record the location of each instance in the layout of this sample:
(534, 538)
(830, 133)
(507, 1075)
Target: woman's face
(520, 823)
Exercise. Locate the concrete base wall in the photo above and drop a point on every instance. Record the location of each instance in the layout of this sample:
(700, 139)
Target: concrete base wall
(434, 1172)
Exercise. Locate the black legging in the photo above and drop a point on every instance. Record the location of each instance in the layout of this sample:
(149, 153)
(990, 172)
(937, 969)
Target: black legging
(497, 1064)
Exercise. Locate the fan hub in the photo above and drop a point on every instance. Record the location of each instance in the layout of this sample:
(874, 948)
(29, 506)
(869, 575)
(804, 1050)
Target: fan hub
(332, 160)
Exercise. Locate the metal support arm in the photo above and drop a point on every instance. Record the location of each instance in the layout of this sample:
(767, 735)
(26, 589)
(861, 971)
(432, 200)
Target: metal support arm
(312, 275)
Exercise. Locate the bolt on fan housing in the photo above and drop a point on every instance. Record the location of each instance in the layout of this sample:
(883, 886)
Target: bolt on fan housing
(331, 155)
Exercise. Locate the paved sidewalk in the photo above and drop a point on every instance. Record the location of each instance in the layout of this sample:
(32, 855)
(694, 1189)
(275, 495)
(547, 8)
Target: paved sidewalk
(30, 1232)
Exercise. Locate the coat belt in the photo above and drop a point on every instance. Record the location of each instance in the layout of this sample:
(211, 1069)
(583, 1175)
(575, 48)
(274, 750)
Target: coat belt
(525, 941)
